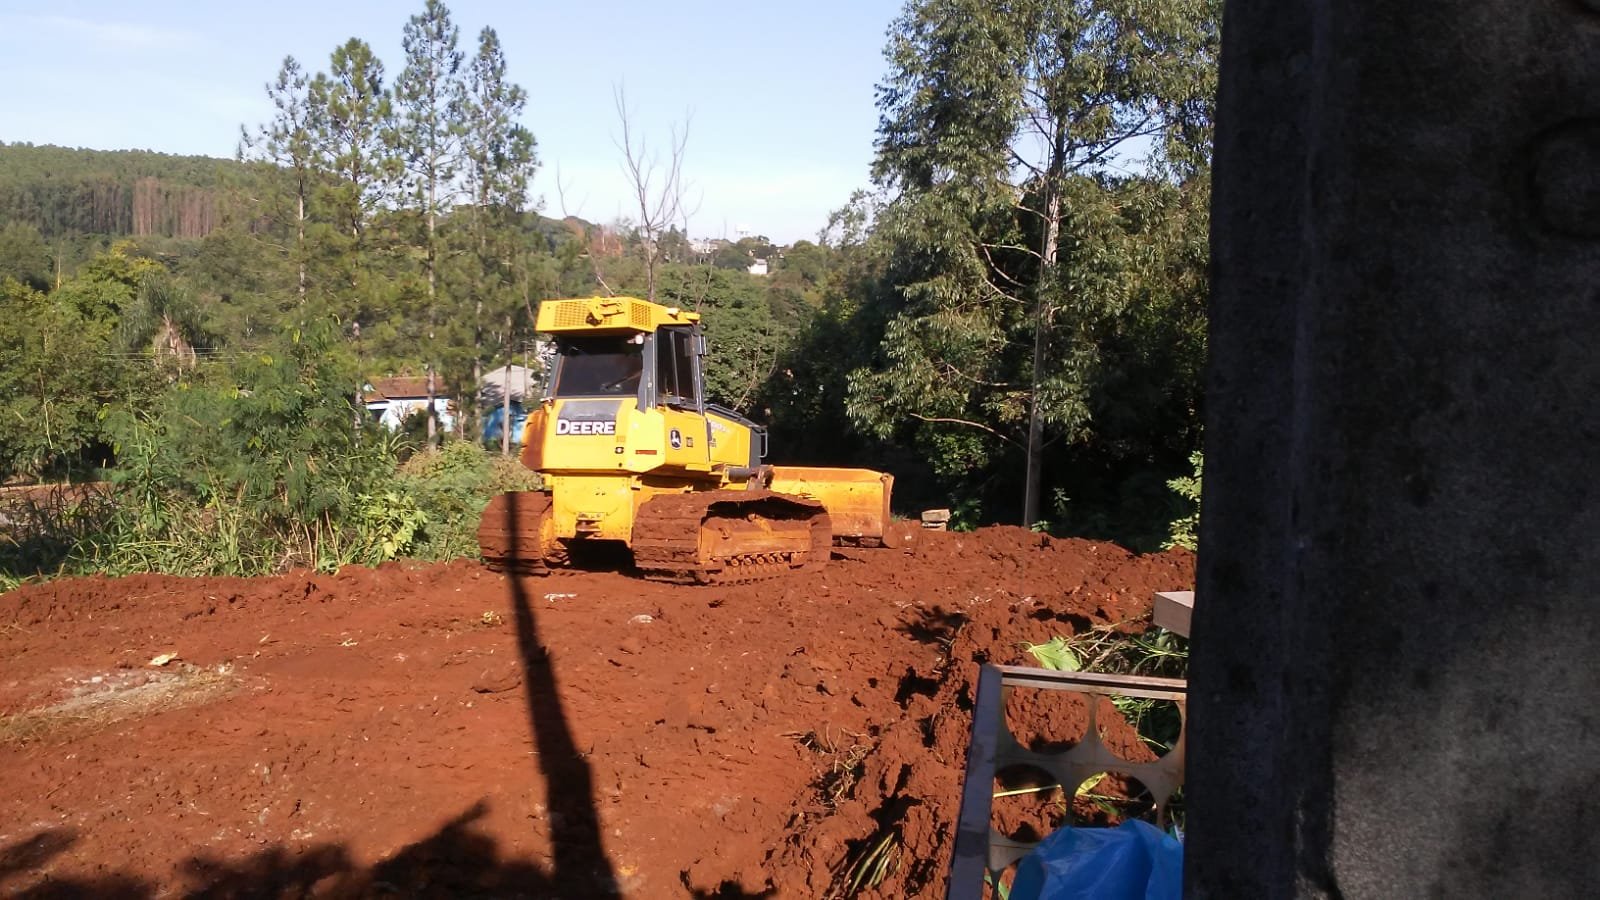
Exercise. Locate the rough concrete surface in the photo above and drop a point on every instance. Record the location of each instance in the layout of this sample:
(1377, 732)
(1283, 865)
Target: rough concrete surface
(1394, 675)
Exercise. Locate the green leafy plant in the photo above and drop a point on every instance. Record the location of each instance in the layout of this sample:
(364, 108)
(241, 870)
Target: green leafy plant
(452, 485)
(1105, 648)
(388, 524)
(255, 470)
(1185, 530)
(1057, 654)
(965, 514)
(1158, 652)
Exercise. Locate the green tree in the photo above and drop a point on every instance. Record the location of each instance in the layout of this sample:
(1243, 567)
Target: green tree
(299, 455)
(805, 262)
(164, 320)
(244, 279)
(271, 455)
(288, 143)
(363, 283)
(674, 246)
(500, 159)
(429, 97)
(743, 338)
(55, 380)
(794, 287)
(24, 256)
(356, 116)
(67, 193)
(1003, 128)
(107, 285)
(732, 257)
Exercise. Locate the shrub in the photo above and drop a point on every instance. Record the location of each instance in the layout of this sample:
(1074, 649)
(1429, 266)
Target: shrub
(267, 468)
(452, 485)
(264, 468)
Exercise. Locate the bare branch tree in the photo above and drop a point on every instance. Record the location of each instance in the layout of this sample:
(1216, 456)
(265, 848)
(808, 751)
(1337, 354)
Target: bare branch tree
(950, 420)
(657, 183)
(760, 370)
(588, 241)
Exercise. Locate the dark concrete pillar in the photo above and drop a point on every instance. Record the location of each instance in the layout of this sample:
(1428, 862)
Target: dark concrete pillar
(1396, 675)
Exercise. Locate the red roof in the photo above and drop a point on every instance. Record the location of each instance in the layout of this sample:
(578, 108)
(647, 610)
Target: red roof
(404, 387)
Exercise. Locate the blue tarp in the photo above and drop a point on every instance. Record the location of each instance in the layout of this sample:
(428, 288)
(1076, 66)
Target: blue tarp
(491, 423)
(1135, 861)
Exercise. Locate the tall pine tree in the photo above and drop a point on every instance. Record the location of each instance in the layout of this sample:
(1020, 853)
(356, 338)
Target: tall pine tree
(353, 135)
(429, 99)
(500, 161)
(289, 142)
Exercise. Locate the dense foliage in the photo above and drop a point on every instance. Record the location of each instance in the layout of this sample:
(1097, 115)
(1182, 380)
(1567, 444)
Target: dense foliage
(1010, 320)
(1045, 168)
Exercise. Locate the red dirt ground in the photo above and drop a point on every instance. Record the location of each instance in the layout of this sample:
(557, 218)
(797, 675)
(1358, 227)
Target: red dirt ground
(446, 731)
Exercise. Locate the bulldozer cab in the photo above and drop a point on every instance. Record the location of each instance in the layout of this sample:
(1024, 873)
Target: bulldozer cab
(658, 369)
(678, 350)
(630, 370)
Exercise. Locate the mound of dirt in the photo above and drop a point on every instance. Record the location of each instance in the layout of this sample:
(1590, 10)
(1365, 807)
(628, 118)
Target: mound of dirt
(443, 730)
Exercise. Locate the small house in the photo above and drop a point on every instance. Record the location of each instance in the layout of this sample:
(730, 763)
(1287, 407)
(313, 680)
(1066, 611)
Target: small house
(390, 401)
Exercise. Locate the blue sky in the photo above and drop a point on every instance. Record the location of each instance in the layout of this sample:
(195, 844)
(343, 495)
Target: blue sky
(780, 96)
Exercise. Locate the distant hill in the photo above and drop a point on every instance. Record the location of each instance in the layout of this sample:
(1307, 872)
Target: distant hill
(64, 191)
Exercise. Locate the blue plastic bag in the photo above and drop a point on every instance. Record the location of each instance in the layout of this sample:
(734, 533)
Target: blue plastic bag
(1135, 861)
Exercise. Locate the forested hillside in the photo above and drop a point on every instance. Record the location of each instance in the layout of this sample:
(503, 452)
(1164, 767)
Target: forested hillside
(1010, 317)
(63, 192)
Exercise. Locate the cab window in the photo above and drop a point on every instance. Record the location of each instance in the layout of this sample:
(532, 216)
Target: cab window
(675, 367)
(598, 367)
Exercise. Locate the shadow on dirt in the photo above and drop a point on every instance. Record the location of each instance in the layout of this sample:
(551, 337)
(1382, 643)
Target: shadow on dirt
(34, 852)
(581, 864)
(455, 861)
(731, 891)
(933, 626)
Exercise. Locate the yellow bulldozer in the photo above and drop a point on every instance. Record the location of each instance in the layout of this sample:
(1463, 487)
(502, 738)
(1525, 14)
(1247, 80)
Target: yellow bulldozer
(632, 456)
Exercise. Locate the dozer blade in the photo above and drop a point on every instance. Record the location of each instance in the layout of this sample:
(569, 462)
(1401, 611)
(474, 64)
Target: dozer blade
(728, 536)
(515, 532)
(857, 500)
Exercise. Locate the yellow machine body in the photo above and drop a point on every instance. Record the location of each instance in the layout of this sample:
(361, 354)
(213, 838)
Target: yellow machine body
(624, 422)
(857, 500)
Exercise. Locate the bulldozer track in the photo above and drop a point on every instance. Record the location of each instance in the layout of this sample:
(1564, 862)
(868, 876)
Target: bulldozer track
(509, 534)
(706, 537)
(729, 537)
